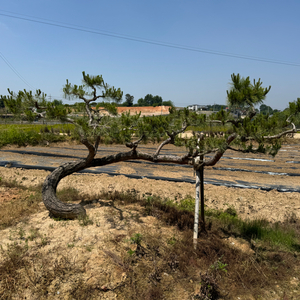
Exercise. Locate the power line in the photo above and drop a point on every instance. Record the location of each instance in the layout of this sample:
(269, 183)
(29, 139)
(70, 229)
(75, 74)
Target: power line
(146, 41)
(15, 71)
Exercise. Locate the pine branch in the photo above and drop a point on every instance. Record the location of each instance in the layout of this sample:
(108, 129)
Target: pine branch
(219, 153)
(91, 148)
(279, 135)
(38, 107)
(165, 142)
(171, 138)
(133, 145)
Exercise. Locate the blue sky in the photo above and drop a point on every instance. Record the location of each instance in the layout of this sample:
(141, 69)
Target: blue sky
(44, 56)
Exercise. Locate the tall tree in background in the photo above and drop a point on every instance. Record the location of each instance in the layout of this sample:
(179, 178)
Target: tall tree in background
(157, 101)
(168, 103)
(2, 105)
(150, 100)
(128, 100)
(265, 109)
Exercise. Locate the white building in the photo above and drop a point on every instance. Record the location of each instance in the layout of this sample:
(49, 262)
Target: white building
(196, 107)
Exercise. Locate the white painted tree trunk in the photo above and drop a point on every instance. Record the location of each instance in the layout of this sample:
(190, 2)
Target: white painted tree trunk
(199, 196)
(197, 204)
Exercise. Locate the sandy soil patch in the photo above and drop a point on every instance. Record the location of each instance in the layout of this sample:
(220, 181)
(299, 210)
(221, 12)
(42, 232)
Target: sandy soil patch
(8, 194)
(249, 203)
(297, 136)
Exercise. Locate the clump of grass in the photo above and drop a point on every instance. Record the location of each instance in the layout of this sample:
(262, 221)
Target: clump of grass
(209, 288)
(11, 183)
(85, 220)
(33, 234)
(44, 129)
(69, 194)
(121, 197)
(261, 230)
(274, 235)
(187, 204)
(231, 211)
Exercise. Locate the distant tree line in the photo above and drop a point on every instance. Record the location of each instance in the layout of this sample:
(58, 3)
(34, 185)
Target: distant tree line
(263, 109)
(2, 105)
(148, 100)
(267, 110)
(216, 107)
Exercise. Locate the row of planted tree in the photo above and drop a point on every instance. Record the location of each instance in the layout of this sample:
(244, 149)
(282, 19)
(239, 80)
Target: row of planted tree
(254, 133)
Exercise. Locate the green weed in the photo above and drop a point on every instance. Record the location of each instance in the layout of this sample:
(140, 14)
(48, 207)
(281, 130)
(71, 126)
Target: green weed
(218, 265)
(136, 239)
(33, 234)
(85, 220)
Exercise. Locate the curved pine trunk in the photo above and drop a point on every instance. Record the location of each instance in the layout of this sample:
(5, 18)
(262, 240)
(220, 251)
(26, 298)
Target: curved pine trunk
(57, 208)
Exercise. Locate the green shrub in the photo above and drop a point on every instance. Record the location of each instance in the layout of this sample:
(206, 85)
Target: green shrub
(187, 204)
(31, 134)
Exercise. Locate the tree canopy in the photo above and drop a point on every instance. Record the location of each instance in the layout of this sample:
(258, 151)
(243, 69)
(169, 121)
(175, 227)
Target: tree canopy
(150, 100)
(267, 110)
(128, 100)
(29, 106)
(245, 94)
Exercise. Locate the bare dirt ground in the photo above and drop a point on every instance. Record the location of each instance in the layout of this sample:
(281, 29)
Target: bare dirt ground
(86, 247)
(249, 203)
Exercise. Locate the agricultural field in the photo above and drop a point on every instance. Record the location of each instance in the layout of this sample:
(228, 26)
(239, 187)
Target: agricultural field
(34, 134)
(136, 242)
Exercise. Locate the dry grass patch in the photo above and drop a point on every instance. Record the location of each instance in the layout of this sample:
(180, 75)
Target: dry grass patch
(18, 203)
